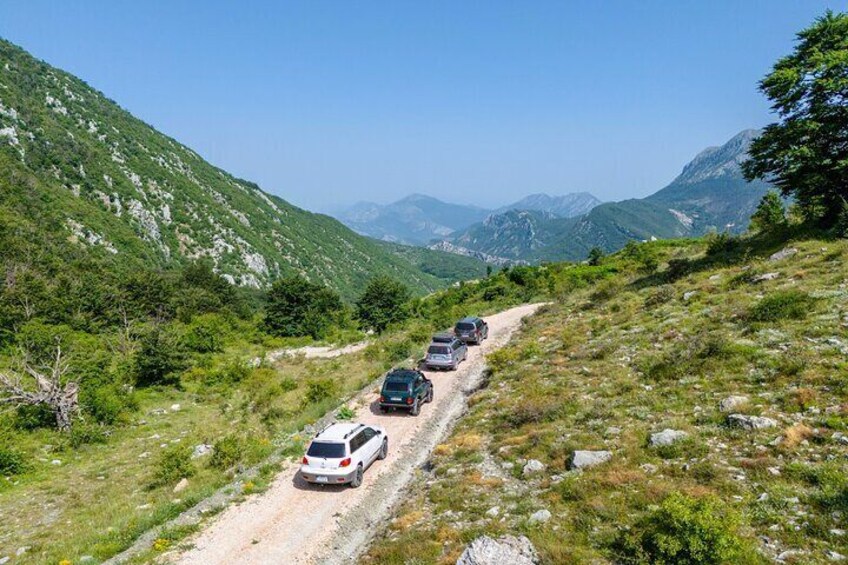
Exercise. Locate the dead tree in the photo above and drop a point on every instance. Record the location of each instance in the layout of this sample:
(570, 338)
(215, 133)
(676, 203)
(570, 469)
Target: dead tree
(42, 386)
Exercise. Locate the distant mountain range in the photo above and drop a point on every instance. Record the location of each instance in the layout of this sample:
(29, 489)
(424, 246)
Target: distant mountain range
(710, 194)
(422, 220)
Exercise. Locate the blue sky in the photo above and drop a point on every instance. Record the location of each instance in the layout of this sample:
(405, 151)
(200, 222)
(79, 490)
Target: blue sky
(326, 103)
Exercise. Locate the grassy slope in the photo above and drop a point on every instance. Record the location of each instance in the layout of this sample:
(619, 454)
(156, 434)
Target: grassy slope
(606, 366)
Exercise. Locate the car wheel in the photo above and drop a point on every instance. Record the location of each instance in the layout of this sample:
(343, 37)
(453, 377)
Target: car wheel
(384, 450)
(416, 408)
(429, 395)
(357, 478)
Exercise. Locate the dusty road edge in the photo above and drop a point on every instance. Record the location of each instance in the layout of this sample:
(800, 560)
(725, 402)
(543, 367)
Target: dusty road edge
(362, 525)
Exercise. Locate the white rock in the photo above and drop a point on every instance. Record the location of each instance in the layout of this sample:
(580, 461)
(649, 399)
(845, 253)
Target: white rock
(493, 512)
(783, 254)
(56, 462)
(181, 486)
(834, 556)
(201, 450)
(533, 466)
(540, 516)
(175, 407)
(766, 277)
(732, 403)
(750, 422)
(689, 294)
(505, 550)
(667, 437)
(4, 560)
(584, 459)
(22, 550)
(649, 468)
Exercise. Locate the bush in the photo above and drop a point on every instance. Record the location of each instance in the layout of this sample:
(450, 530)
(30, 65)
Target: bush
(345, 413)
(383, 303)
(596, 254)
(227, 452)
(32, 417)
(660, 295)
(108, 403)
(86, 433)
(12, 461)
(684, 530)
(721, 244)
(202, 339)
(398, 350)
(173, 464)
(158, 359)
(297, 307)
(782, 305)
(770, 215)
(319, 390)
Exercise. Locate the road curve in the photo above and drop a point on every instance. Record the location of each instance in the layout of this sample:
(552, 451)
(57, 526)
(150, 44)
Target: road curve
(295, 523)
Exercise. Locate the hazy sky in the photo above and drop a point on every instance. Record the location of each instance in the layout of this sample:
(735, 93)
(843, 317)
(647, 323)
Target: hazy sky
(326, 103)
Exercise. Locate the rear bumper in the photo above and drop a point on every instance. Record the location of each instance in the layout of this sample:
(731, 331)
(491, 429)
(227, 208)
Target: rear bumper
(333, 476)
(440, 363)
(399, 405)
(468, 338)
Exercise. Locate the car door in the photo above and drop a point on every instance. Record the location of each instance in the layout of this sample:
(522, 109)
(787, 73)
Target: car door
(371, 444)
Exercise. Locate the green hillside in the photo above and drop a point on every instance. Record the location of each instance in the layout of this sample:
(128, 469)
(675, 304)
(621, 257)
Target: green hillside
(717, 385)
(76, 165)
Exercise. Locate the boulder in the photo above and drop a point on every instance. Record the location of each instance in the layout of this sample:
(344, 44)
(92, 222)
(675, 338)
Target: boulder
(667, 437)
(750, 422)
(584, 459)
(766, 277)
(540, 516)
(689, 294)
(533, 466)
(507, 549)
(201, 450)
(732, 403)
(783, 254)
(182, 485)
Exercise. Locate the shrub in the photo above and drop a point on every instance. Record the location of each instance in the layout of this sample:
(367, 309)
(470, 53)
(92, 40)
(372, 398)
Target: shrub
(660, 295)
(494, 292)
(32, 417)
(684, 530)
(383, 303)
(398, 351)
(319, 390)
(596, 254)
(297, 307)
(770, 215)
(107, 404)
(173, 464)
(721, 244)
(86, 433)
(158, 359)
(782, 305)
(12, 461)
(227, 452)
(202, 339)
(345, 413)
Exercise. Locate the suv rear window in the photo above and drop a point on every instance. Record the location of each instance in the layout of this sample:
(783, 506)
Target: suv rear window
(328, 450)
(397, 386)
(465, 326)
(438, 350)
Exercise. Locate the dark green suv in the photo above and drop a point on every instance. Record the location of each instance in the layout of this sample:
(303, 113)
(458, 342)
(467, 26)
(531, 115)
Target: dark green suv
(407, 389)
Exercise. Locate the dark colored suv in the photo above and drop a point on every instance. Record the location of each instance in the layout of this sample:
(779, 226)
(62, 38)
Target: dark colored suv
(471, 330)
(406, 389)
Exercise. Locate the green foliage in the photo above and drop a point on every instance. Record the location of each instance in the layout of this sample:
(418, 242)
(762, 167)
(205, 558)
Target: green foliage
(684, 530)
(770, 216)
(174, 463)
(782, 305)
(595, 256)
(227, 452)
(12, 461)
(84, 433)
(383, 303)
(345, 413)
(158, 359)
(721, 243)
(107, 404)
(297, 307)
(645, 256)
(319, 390)
(803, 153)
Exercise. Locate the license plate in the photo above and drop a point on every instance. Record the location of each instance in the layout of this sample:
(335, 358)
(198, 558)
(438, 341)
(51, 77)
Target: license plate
(395, 399)
(322, 480)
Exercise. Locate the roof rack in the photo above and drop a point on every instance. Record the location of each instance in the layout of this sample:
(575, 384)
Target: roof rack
(325, 428)
(351, 432)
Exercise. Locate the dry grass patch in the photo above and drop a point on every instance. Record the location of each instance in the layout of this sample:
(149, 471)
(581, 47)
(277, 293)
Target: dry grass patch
(794, 435)
(407, 520)
(468, 441)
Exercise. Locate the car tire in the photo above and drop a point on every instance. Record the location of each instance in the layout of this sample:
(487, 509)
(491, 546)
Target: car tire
(384, 450)
(429, 395)
(416, 408)
(357, 477)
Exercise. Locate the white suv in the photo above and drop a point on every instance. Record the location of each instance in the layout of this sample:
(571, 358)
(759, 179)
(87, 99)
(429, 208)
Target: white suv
(340, 453)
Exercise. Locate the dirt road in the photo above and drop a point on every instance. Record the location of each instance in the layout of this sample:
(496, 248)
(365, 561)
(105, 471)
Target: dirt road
(293, 522)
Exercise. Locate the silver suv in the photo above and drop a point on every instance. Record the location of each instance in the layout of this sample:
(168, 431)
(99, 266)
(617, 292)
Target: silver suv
(472, 330)
(445, 352)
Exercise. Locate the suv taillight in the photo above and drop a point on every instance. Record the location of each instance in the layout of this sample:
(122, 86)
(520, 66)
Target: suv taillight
(409, 400)
(382, 398)
(305, 460)
(345, 462)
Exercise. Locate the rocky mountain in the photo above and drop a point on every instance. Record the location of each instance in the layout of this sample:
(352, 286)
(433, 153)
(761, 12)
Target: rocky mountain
(565, 206)
(416, 219)
(76, 165)
(709, 194)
